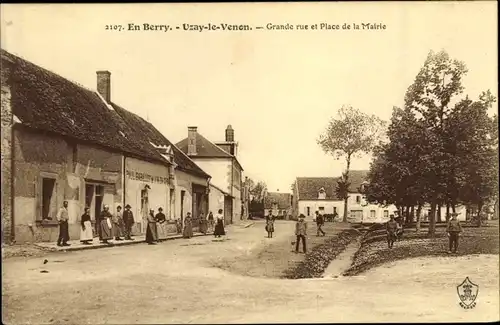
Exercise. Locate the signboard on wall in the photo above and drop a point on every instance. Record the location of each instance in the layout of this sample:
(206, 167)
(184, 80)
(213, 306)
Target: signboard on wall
(146, 177)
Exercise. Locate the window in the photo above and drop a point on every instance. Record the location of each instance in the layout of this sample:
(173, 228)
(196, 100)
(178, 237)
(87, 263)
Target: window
(321, 194)
(308, 211)
(358, 199)
(357, 215)
(48, 198)
(386, 214)
(372, 214)
(334, 210)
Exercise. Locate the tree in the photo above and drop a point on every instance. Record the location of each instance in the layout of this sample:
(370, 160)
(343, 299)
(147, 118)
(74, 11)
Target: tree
(257, 190)
(476, 146)
(348, 136)
(395, 176)
(442, 149)
(429, 98)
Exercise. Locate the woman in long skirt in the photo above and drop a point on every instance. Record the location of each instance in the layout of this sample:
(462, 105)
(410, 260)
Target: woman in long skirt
(151, 230)
(203, 224)
(219, 225)
(188, 226)
(106, 225)
(118, 224)
(86, 235)
(161, 220)
(270, 225)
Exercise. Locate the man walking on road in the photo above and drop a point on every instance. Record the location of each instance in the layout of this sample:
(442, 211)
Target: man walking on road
(62, 218)
(301, 233)
(391, 227)
(454, 228)
(320, 221)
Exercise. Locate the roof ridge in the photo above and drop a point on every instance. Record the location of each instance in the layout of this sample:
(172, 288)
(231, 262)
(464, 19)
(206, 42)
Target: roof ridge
(171, 143)
(213, 144)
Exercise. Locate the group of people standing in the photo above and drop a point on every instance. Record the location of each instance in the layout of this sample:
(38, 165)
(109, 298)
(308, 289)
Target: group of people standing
(115, 226)
(109, 226)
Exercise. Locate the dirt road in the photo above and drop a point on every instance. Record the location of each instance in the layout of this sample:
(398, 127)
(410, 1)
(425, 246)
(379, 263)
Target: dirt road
(174, 282)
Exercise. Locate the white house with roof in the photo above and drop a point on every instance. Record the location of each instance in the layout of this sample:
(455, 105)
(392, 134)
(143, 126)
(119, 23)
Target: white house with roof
(313, 194)
(220, 161)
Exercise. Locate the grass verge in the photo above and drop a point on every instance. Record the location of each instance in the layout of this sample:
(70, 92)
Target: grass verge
(318, 259)
(374, 251)
(276, 256)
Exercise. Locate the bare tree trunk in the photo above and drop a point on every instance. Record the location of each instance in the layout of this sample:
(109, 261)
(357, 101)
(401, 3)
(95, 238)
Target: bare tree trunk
(348, 161)
(432, 219)
(419, 216)
(412, 213)
(479, 209)
(448, 211)
(345, 210)
(453, 207)
(439, 213)
(407, 214)
(495, 213)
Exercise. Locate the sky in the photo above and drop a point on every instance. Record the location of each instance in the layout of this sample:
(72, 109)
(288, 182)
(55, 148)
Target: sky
(277, 88)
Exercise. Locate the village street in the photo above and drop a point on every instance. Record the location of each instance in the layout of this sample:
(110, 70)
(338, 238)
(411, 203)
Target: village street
(174, 282)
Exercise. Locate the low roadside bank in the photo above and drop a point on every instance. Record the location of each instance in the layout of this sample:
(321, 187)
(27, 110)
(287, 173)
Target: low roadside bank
(276, 257)
(374, 251)
(319, 258)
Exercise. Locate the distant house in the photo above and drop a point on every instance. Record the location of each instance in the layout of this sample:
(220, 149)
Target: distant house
(313, 194)
(64, 142)
(280, 204)
(221, 162)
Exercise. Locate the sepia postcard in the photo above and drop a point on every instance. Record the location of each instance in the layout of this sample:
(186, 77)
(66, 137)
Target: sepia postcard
(238, 163)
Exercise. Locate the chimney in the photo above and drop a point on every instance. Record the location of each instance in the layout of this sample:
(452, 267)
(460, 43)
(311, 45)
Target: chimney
(229, 134)
(104, 85)
(192, 131)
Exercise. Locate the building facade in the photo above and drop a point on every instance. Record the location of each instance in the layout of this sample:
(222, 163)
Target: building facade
(311, 194)
(279, 204)
(220, 161)
(64, 142)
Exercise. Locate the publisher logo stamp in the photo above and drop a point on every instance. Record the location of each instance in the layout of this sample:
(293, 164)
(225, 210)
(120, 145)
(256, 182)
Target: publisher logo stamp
(467, 292)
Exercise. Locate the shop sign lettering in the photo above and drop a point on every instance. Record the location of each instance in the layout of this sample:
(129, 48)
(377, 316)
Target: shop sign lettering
(145, 177)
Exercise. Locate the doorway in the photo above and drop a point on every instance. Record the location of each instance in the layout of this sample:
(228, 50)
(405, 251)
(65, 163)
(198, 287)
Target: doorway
(94, 197)
(228, 210)
(144, 210)
(183, 193)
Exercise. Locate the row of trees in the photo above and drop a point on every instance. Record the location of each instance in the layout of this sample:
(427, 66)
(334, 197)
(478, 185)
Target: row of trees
(258, 191)
(442, 148)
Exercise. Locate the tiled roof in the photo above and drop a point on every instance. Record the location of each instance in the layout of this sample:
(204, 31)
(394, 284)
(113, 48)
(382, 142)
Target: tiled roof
(152, 134)
(282, 199)
(48, 102)
(308, 187)
(204, 148)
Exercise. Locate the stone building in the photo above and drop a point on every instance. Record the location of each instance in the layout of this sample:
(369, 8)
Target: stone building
(313, 194)
(221, 162)
(279, 204)
(64, 142)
